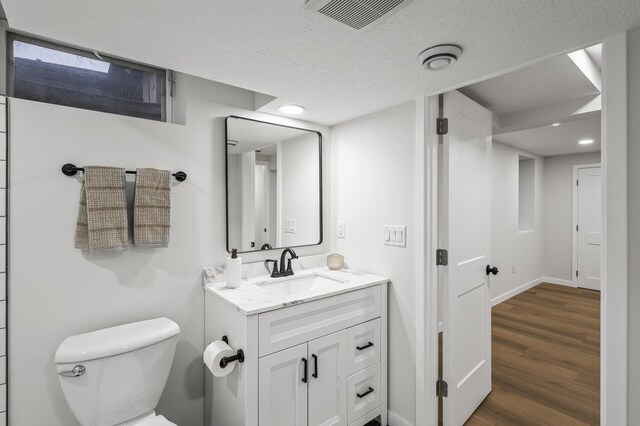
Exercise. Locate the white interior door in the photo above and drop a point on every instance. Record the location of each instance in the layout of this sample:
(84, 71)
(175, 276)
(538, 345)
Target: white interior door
(466, 219)
(328, 362)
(282, 395)
(589, 227)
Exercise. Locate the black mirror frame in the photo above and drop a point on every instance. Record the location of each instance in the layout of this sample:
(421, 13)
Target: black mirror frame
(226, 179)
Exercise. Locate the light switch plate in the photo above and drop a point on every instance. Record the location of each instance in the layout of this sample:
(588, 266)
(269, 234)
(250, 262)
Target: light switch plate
(394, 235)
(290, 226)
(341, 232)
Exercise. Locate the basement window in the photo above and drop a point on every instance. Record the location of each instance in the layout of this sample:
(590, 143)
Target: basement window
(526, 194)
(47, 72)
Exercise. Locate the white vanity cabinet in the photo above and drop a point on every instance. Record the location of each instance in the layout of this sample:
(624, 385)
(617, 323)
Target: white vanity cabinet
(318, 362)
(283, 390)
(306, 384)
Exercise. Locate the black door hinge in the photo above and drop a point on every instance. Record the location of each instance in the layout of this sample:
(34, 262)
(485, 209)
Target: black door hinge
(442, 388)
(577, 183)
(442, 126)
(576, 273)
(442, 257)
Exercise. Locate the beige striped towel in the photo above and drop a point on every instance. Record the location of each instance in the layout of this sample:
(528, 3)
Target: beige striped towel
(102, 216)
(152, 208)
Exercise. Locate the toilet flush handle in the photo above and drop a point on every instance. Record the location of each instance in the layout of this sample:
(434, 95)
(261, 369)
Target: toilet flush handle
(77, 371)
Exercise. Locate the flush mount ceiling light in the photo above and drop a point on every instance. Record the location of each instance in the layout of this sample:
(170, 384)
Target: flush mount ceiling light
(555, 124)
(291, 109)
(439, 57)
(585, 141)
(231, 142)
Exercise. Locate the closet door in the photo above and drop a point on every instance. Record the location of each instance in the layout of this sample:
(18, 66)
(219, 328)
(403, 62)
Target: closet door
(589, 227)
(328, 370)
(283, 378)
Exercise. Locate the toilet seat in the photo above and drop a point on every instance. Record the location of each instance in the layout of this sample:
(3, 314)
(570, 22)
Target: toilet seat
(155, 421)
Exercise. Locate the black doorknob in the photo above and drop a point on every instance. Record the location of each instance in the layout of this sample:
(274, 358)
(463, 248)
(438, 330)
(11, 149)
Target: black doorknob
(491, 270)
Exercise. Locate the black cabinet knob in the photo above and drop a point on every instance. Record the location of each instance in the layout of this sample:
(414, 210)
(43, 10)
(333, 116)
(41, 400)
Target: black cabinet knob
(491, 270)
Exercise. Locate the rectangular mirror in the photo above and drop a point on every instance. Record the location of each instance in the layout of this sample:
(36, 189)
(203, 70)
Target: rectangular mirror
(274, 185)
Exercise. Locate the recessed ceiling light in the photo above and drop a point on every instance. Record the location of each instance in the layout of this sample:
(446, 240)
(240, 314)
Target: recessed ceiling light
(231, 142)
(555, 124)
(291, 109)
(439, 57)
(585, 141)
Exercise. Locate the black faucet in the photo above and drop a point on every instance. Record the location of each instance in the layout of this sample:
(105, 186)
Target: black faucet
(282, 272)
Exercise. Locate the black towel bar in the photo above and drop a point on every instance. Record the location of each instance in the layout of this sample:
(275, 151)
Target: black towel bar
(71, 169)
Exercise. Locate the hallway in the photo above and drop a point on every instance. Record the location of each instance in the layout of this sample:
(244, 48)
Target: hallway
(546, 359)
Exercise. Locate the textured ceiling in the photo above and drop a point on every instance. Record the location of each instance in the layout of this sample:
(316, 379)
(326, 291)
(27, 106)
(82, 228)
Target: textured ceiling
(279, 48)
(545, 83)
(560, 140)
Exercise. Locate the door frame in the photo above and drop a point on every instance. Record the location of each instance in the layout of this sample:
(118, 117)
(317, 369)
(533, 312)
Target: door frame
(613, 324)
(574, 221)
(266, 216)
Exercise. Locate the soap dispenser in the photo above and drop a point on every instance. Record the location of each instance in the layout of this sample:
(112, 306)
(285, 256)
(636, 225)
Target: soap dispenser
(233, 273)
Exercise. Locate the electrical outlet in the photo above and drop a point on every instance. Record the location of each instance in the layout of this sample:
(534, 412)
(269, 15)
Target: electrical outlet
(341, 232)
(290, 226)
(395, 235)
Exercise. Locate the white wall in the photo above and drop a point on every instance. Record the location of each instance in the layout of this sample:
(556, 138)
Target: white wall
(511, 247)
(373, 182)
(527, 193)
(634, 220)
(558, 212)
(299, 170)
(235, 202)
(57, 291)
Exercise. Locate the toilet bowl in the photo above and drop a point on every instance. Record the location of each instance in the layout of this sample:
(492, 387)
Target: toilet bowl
(116, 376)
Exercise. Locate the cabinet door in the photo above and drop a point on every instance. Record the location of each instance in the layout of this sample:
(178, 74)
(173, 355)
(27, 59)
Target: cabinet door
(328, 369)
(282, 396)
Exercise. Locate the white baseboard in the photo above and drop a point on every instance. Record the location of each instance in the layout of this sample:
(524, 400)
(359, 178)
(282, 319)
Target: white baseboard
(558, 281)
(396, 420)
(516, 291)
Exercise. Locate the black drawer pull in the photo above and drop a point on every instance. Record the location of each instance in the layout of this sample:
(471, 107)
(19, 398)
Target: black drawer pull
(315, 368)
(304, 378)
(362, 395)
(361, 348)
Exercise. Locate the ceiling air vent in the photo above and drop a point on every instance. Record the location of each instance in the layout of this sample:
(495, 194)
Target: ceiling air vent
(356, 14)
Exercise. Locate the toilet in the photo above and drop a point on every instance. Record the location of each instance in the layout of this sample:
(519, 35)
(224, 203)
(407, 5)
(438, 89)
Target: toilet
(116, 376)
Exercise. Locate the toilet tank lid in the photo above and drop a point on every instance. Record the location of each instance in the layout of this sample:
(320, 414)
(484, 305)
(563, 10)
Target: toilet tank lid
(115, 340)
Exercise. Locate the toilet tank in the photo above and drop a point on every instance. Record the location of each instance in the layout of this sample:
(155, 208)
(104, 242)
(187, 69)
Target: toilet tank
(125, 370)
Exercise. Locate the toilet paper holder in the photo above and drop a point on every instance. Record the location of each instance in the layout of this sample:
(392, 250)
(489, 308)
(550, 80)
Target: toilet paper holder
(239, 356)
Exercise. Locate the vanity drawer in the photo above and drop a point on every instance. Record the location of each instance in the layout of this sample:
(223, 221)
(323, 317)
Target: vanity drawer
(364, 345)
(363, 392)
(297, 324)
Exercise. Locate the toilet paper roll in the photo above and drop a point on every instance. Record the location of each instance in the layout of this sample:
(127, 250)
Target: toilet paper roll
(214, 353)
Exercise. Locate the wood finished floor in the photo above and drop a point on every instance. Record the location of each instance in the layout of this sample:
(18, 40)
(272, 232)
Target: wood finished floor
(546, 359)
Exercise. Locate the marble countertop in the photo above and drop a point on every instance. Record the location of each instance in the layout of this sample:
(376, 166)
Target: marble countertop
(251, 297)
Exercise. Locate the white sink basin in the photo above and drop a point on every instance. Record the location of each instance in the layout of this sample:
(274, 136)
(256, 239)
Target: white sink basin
(291, 286)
